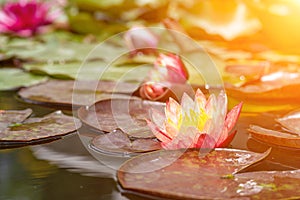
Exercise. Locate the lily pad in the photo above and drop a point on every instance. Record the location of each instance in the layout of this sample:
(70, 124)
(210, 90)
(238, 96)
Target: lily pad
(8, 117)
(65, 93)
(12, 79)
(291, 122)
(35, 130)
(274, 137)
(118, 142)
(59, 46)
(14, 116)
(129, 115)
(188, 174)
(89, 71)
(274, 87)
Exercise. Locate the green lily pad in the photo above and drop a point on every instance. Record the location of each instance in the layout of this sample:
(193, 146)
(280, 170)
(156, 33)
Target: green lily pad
(129, 115)
(191, 175)
(58, 47)
(90, 71)
(68, 93)
(11, 79)
(35, 130)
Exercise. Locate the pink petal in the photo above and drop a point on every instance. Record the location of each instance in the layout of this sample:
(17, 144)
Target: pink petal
(176, 71)
(205, 141)
(173, 111)
(229, 123)
(160, 134)
(200, 99)
(233, 116)
(187, 103)
(217, 109)
(157, 118)
(227, 141)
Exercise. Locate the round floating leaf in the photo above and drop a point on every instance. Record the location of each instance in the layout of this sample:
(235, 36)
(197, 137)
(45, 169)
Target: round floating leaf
(14, 116)
(59, 47)
(273, 137)
(187, 175)
(64, 93)
(118, 142)
(11, 78)
(10, 117)
(129, 115)
(278, 86)
(268, 185)
(89, 71)
(35, 130)
(291, 122)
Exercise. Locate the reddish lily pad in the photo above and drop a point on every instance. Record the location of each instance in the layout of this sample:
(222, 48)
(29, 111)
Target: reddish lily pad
(277, 86)
(268, 184)
(187, 175)
(118, 142)
(65, 93)
(291, 122)
(273, 137)
(129, 115)
(35, 130)
(8, 117)
(14, 116)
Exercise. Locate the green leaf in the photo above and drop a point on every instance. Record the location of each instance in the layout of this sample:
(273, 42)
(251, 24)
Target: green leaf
(11, 78)
(91, 71)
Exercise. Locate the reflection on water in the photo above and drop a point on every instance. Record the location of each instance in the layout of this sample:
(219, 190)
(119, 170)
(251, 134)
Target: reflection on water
(25, 177)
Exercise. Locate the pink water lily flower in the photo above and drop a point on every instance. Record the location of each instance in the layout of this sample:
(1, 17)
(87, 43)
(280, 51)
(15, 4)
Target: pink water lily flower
(168, 70)
(198, 123)
(139, 39)
(25, 17)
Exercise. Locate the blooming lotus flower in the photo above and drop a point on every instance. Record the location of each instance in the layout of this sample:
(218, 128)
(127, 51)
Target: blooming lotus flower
(198, 123)
(141, 40)
(25, 17)
(168, 69)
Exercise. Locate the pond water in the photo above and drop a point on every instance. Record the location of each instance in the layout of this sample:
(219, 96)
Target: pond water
(64, 169)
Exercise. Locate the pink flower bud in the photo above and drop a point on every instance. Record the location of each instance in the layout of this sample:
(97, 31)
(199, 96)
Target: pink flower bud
(171, 67)
(141, 40)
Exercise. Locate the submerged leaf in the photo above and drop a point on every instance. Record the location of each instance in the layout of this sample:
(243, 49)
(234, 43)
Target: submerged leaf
(34, 130)
(187, 175)
(11, 79)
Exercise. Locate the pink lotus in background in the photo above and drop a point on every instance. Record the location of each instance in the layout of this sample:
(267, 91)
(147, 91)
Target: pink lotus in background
(168, 70)
(25, 17)
(198, 123)
(139, 39)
